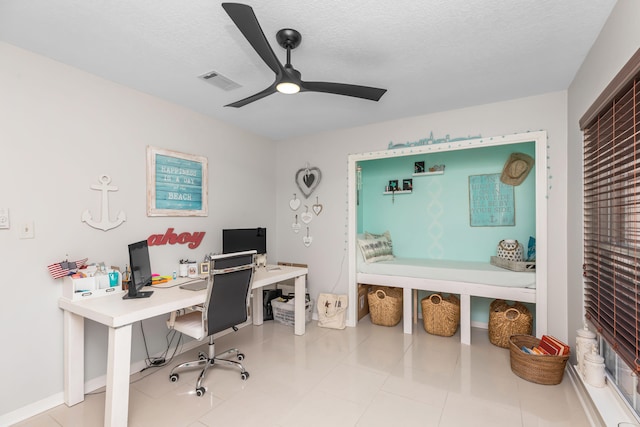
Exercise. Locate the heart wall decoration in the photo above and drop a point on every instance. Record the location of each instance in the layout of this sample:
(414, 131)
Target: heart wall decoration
(307, 239)
(317, 208)
(308, 179)
(294, 203)
(306, 216)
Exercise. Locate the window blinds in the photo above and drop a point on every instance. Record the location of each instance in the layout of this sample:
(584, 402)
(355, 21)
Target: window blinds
(612, 214)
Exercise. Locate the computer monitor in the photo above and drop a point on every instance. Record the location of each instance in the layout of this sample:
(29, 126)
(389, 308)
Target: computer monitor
(244, 239)
(140, 270)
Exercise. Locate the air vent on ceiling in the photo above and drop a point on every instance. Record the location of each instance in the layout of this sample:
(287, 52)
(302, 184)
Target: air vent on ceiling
(219, 80)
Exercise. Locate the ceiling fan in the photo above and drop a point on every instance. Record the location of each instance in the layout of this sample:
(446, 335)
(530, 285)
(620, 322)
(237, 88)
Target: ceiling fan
(288, 80)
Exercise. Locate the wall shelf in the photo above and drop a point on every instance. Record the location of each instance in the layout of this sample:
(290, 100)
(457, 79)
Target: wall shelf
(387, 193)
(428, 173)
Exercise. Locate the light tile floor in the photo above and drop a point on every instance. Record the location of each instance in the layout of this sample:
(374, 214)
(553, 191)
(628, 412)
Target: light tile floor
(364, 376)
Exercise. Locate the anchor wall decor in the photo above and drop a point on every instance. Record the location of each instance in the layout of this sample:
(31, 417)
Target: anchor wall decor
(307, 180)
(104, 224)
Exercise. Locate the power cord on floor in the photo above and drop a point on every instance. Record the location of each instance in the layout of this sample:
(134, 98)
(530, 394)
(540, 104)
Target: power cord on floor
(156, 362)
(162, 360)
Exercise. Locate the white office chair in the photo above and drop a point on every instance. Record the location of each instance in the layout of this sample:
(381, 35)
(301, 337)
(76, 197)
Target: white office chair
(226, 306)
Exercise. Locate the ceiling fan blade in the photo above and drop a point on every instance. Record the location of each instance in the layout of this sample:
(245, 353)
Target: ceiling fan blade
(268, 91)
(365, 92)
(246, 21)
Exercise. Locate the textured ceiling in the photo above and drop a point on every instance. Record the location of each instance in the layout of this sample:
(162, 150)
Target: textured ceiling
(431, 55)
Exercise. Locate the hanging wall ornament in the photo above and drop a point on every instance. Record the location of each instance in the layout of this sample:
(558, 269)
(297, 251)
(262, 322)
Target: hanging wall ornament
(307, 239)
(294, 203)
(317, 207)
(307, 180)
(296, 225)
(306, 216)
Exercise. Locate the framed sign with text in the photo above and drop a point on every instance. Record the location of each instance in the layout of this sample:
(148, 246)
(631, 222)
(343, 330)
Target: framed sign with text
(176, 183)
(491, 202)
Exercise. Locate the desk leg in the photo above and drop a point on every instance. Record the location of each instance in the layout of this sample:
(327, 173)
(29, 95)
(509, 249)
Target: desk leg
(465, 319)
(116, 411)
(257, 314)
(300, 303)
(73, 358)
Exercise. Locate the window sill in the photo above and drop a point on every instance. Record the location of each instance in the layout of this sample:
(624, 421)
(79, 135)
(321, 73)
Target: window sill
(603, 406)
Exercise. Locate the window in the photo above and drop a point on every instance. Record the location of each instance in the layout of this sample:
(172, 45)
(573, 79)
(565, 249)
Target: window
(612, 215)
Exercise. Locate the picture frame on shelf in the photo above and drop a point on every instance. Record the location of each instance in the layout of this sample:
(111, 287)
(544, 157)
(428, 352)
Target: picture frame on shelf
(418, 167)
(407, 184)
(393, 185)
(204, 268)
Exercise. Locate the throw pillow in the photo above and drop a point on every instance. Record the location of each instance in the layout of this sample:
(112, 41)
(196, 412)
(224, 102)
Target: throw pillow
(374, 250)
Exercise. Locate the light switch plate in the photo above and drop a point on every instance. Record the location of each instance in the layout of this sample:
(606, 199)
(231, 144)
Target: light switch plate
(4, 218)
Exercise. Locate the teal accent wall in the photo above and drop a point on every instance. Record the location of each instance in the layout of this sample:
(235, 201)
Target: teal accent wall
(433, 221)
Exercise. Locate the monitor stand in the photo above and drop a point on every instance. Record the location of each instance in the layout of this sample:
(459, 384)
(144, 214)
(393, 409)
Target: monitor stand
(139, 294)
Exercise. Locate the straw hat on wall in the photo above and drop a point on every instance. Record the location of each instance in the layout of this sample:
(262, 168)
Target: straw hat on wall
(516, 168)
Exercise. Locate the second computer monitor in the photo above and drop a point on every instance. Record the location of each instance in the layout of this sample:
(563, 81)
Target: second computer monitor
(244, 239)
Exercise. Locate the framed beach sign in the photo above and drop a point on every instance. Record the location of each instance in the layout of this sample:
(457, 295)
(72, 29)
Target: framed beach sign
(491, 202)
(176, 183)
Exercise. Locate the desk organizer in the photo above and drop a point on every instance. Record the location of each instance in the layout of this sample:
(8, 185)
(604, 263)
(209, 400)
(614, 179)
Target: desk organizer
(89, 287)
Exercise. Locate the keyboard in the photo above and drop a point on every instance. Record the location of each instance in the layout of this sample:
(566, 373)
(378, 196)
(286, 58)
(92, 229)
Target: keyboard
(196, 285)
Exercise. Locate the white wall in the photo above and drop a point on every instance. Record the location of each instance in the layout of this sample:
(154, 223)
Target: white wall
(59, 129)
(617, 42)
(326, 256)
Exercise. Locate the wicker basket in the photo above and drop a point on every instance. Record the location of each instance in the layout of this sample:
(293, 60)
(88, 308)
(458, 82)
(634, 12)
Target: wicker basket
(385, 306)
(506, 320)
(440, 316)
(540, 369)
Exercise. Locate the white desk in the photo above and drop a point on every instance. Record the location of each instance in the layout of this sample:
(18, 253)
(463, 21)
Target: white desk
(119, 315)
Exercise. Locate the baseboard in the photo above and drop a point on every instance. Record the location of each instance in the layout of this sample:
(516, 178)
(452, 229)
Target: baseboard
(479, 325)
(32, 409)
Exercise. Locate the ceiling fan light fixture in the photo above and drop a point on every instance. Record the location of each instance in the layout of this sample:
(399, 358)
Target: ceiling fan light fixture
(288, 88)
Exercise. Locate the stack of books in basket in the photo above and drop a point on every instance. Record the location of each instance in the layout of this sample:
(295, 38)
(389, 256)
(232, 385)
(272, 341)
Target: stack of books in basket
(548, 345)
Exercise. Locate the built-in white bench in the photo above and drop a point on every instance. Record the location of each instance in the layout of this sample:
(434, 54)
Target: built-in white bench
(463, 278)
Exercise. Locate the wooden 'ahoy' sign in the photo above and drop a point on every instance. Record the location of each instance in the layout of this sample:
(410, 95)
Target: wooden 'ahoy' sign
(192, 240)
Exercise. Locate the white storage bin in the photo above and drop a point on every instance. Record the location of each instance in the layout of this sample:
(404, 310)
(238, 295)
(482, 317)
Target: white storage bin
(284, 311)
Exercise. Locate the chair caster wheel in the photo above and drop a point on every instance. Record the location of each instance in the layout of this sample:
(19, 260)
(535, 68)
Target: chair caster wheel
(202, 357)
(240, 357)
(174, 378)
(244, 376)
(200, 391)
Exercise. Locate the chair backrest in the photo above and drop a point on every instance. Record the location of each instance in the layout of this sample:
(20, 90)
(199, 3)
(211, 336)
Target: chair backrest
(229, 283)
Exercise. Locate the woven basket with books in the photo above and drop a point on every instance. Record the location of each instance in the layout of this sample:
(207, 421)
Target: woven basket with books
(544, 369)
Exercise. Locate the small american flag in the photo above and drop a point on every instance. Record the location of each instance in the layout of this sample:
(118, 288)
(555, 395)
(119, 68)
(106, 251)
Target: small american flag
(61, 269)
